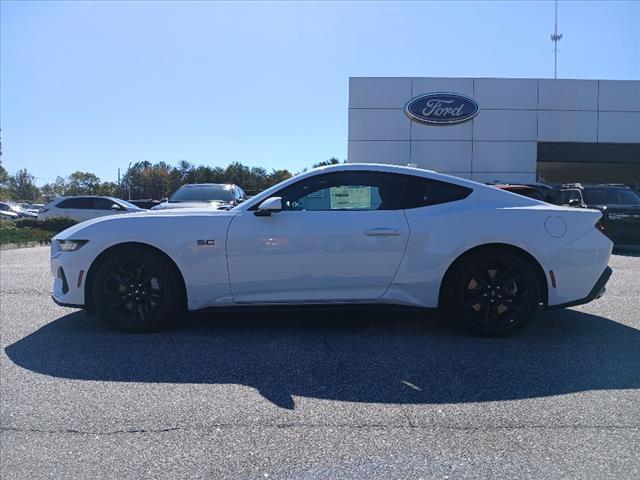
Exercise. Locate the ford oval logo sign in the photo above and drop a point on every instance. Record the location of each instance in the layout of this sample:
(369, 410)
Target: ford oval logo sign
(441, 108)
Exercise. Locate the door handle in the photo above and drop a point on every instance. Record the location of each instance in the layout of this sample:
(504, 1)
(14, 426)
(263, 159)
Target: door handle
(382, 232)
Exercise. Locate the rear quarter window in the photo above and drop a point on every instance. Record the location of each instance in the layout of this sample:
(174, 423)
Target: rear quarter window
(422, 192)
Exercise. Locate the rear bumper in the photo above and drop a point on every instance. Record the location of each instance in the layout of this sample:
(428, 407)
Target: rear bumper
(596, 292)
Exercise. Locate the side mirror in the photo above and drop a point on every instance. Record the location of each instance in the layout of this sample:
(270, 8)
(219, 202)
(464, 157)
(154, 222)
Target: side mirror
(270, 205)
(115, 206)
(575, 202)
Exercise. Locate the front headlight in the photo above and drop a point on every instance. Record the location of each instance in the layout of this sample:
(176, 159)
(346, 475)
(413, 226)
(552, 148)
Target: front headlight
(71, 245)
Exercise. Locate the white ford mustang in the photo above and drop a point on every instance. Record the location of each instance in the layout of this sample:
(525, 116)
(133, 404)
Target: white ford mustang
(351, 233)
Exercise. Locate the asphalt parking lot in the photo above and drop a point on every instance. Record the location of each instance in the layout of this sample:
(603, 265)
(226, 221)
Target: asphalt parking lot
(317, 394)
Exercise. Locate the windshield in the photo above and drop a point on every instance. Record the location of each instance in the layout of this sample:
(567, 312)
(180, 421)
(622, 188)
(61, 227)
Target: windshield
(611, 196)
(129, 205)
(202, 193)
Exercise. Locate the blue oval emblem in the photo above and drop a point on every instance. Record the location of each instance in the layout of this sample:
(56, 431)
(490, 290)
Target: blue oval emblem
(441, 108)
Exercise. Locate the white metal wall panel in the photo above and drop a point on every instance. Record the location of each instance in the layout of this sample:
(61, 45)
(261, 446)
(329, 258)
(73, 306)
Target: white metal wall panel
(506, 93)
(377, 124)
(568, 95)
(392, 152)
(619, 127)
(506, 125)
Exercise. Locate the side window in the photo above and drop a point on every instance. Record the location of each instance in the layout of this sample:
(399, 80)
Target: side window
(4, 207)
(350, 190)
(102, 204)
(422, 192)
(79, 202)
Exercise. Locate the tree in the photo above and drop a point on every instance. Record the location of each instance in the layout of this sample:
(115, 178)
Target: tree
(49, 191)
(22, 186)
(4, 181)
(331, 161)
(82, 183)
(108, 189)
(277, 176)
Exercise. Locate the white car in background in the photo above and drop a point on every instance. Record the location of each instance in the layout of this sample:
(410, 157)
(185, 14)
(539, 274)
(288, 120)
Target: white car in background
(14, 211)
(86, 207)
(343, 234)
(7, 212)
(217, 196)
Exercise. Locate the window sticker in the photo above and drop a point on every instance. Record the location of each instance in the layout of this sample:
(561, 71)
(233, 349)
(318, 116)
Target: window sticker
(350, 197)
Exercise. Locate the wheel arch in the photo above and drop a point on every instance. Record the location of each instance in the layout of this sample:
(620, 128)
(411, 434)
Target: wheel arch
(88, 284)
(540, 273)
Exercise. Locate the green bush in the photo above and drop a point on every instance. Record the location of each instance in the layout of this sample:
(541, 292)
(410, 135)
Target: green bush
(27, 223)
(52, 224)
(23, 235)
(7, 224)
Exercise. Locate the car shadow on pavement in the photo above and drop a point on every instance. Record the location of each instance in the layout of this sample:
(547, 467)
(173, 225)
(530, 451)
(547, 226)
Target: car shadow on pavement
(360, 355)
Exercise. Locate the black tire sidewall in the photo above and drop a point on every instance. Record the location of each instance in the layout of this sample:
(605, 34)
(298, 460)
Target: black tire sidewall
(171, 302)
(454, 309)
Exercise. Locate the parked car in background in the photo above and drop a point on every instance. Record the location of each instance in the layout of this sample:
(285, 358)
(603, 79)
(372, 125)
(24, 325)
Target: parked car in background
(85, 207)
(619, 204)
(145, 203)
(16, 209)
(32, 207)
(524, 190)
(7, 213)
(204, 195)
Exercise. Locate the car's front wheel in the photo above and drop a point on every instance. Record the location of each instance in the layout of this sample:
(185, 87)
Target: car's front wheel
(137, 290)
(492, 292)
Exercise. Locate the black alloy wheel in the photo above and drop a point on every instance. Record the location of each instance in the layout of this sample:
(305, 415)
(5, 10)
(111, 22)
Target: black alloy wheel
(136, 290)
(494, 294)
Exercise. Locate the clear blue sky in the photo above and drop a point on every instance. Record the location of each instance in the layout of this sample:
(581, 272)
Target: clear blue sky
(93, 86)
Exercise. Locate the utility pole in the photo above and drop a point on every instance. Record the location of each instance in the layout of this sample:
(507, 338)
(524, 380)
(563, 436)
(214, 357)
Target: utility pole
(555, 38)
(129, 179)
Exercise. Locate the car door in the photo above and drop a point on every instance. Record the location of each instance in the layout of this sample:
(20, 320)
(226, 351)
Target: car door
(340, 237)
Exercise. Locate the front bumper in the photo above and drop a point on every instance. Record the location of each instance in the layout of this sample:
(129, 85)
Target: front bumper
(596, 292)
(70, 271)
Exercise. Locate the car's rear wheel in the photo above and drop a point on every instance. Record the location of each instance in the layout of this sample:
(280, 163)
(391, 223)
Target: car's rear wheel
(137, 290)
(493, 292)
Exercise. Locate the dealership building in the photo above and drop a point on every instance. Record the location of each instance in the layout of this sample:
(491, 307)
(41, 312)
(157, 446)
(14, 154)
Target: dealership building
(494, 129)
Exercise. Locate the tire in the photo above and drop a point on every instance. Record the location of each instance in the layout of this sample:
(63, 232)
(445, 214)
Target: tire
(137, 290)
(492, 292)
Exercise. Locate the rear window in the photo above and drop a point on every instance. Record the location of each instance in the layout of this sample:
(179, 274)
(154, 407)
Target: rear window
(422, 192)
(611, 196)
(526, 192)
(202, 193)
(80, 202)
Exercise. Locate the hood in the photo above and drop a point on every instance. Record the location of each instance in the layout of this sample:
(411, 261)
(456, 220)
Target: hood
(211, 205)
(75, 232)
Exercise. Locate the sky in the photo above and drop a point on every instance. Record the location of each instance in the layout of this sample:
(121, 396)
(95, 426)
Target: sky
(93, 86)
